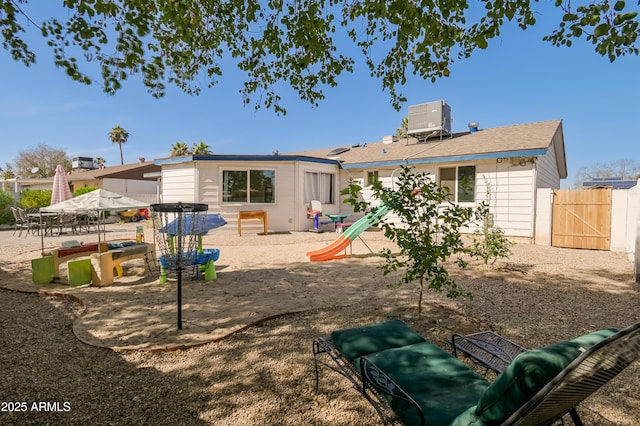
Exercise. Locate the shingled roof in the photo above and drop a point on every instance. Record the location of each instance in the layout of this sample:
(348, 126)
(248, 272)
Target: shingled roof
(500, 142)
(133, 171)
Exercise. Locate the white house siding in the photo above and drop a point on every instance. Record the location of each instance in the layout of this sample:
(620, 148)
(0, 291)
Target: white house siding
(547, 170)
(512, 194)
(279, 214)
(209, 184)
(179, 183)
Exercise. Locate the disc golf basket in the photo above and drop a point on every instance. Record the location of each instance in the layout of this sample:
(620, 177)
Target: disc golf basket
(177, 230)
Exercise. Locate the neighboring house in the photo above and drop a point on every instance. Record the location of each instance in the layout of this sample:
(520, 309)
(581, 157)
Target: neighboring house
(15, 186)
(515, 161)
(136, 180)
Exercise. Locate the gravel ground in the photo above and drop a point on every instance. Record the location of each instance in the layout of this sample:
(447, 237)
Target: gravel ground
(264, 374)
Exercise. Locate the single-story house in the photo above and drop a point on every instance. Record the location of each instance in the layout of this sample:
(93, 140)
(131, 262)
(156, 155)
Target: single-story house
(510, 162)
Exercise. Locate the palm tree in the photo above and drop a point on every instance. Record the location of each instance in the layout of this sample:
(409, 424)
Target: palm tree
(403, 131)
(200, 148)
(119, 135)
(178, 149)
(99, 161)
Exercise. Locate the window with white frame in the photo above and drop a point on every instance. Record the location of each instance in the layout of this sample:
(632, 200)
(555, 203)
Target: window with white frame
(319, 186)
(460, 182)
(248, 186)
(372, 177)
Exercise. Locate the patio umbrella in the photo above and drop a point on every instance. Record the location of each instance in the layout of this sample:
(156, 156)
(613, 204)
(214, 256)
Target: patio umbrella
(61, 191)
(96, 202)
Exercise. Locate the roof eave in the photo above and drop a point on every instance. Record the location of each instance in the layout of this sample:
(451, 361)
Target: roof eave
(254, 158)
(453, 158)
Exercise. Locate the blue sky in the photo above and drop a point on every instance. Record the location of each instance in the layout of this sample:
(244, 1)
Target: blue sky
(518, 79)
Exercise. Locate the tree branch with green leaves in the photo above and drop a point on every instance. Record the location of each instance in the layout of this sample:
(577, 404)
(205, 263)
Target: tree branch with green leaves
(303, 44)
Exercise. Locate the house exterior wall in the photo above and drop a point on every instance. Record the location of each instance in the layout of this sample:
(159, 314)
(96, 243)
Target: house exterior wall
(209, 183)
(512, 194)
(201, 182)
(179, 183)
(547, 175)
(512, 191)
(279, 214)
(85, 183)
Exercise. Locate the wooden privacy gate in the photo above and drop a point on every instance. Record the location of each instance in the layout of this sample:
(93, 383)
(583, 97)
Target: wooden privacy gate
(582, 218)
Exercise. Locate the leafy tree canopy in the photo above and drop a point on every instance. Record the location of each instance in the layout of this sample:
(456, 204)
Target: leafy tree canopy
(186, 42)
(41, 162)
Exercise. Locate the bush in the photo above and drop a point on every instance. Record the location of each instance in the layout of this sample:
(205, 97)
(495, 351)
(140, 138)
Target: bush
(6, 202)
(82, 191)
(35, 198)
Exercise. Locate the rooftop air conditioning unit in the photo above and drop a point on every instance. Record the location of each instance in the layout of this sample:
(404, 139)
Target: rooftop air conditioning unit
(82, 163)
(432, 118)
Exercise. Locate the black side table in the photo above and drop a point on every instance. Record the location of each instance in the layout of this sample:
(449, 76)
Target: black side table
(486, 349)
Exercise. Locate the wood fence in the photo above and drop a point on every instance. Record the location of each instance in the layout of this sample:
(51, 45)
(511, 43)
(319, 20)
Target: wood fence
(582, 218)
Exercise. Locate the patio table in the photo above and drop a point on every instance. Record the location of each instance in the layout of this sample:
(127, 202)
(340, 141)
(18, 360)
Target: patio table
(337, 218)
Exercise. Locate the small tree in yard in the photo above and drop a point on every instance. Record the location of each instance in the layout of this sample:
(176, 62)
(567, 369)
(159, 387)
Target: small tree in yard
(428, 235)
(489, 242)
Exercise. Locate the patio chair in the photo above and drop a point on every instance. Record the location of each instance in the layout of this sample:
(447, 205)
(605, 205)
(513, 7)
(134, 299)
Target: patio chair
(68, 221)
(19, 224)
(30, 224)
(413, 382)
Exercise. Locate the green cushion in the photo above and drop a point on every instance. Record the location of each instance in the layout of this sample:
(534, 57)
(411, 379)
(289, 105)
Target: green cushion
(359, 341)
(441, 384)
(528, 373)
(468, 418)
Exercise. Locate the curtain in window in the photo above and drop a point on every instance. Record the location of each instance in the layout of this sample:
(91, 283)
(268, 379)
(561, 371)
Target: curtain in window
(318, 186)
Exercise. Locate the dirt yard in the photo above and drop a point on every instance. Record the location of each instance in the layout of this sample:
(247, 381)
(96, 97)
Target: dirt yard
(262, 373)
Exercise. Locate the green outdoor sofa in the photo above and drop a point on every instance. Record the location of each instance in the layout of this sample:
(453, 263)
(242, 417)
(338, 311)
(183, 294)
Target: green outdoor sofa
(414, 382)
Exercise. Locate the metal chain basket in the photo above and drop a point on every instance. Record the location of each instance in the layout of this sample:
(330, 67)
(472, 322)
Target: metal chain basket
(177, 227)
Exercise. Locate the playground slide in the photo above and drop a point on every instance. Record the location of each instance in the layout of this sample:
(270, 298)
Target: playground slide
(331, 251)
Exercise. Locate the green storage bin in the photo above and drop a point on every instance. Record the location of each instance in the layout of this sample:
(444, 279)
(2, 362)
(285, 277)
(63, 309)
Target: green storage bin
(42, 270)
(79, 272)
